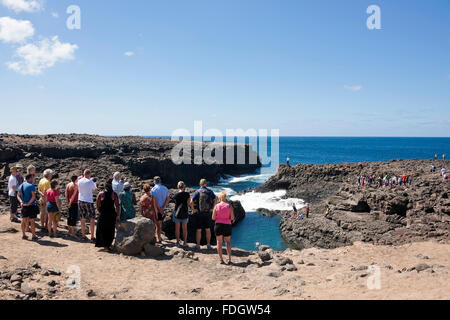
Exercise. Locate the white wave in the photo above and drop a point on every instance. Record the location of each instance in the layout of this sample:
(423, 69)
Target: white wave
(219, 189)
(259, 178)
(268, 200)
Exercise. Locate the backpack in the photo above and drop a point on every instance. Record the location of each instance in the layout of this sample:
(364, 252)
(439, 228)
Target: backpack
(204, 201)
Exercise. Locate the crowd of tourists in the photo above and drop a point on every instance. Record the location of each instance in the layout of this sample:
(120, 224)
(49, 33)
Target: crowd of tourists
(116, 202)
(384, 181)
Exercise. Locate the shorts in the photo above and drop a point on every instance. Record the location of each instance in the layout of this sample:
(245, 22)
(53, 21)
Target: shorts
(174, 219)
(86, 210)
(30, 212)
(52, 207)
(13, 204)
(73, 215)
(221, 229)
(159, 217)
(203, 220)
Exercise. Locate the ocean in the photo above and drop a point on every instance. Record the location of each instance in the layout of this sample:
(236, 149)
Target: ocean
(258, 230)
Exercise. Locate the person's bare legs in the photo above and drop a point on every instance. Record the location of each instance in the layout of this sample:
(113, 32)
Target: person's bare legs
(198, 236)
(177, 232)
(158, 230)
(228, 242)
(219, 247)
(55, 225)
(24, 227)
(33, 228)
(44, 217)
(92, 228)
(185, 233)
(50, 217)
(208, 236)
(83, 227)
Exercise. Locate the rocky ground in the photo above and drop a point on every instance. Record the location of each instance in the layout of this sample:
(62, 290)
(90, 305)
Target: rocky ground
(386, 215)
(48, 269)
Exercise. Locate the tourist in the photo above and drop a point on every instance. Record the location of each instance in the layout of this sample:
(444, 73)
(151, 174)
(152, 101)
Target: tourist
(288, 162)
(19, 176)
(435, 156)
(181, 213)
(117, 183)
(443, 171)
(127, 201)
(147, 203)
(433, 168)
(72, 204)
(109, 208)
(43, 186)
(161, 195)
(53, 208)
(31, 170)
(307, 210)
(223, 215)
(443, 157)
(27, 198)
(86, 189)
(204, 201)
(12, 193)
(327, 212)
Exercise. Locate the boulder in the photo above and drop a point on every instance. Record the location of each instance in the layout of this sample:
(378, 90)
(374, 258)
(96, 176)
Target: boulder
(133, 235)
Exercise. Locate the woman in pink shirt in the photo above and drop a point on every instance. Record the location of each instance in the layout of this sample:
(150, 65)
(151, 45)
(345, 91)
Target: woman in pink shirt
(223, 215)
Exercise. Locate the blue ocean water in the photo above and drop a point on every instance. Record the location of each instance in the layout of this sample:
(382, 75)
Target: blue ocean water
(316, 150)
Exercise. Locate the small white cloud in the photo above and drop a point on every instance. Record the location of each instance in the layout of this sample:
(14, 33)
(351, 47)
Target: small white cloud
(23, 5)
(129, 53)
(34, 58)
(15, 31)
(354, 88)
(55, 15)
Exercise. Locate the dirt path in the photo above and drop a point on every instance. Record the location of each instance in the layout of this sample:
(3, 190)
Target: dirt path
(321, 274)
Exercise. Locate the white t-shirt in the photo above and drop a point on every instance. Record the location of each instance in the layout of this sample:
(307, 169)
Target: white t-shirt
(12, 182)
(85, 190)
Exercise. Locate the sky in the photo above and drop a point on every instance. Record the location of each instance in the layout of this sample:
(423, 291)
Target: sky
(145, 67)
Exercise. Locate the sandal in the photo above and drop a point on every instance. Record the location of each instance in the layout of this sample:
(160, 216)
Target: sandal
(222, 262)
(24, 237)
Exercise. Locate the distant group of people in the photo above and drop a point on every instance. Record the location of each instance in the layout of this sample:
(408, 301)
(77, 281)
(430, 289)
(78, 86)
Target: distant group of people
(384, 181)
(116, 203)
(296, 214)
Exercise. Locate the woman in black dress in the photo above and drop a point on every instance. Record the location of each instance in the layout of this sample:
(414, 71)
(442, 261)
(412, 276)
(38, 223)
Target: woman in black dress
(109, 208)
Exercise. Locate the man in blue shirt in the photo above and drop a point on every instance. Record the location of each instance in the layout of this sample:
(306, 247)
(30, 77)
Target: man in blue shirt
(162, 196)
(204, 201)
(27, 198)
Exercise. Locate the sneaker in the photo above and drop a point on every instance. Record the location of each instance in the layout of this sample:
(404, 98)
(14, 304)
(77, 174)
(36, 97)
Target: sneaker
(185, 245)
(197, 247)
(209, 247)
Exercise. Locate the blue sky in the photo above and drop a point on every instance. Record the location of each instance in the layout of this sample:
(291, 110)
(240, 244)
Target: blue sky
(308, 68)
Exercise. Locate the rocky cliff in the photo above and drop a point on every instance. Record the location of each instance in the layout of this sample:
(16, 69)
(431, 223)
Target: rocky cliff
(380, 215)
(139, 159)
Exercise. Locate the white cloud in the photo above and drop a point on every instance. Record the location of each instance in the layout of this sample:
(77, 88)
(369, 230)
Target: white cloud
(129, 53)
(55, 14)
(34, 58)
(23, 5)
(354, 88)
(15, 31)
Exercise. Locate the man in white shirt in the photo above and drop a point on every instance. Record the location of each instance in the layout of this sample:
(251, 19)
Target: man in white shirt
(12, 193)
(86, 190)
(162, 196)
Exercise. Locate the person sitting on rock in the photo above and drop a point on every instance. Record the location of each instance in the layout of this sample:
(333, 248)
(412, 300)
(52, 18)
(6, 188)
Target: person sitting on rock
(443, 171)
(127, 201)
(223, 215)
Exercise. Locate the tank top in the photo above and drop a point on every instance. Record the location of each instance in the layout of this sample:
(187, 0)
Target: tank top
(223, 213)
(70, 192)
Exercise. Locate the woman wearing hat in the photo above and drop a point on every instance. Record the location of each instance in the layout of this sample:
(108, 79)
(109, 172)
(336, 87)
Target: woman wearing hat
(127, 202)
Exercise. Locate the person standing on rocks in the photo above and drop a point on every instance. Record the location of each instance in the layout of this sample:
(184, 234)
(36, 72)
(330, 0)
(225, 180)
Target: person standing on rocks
(180, 215)
(117, 183)
(12, 193)
(127, 201)
(443, 157)
(204, 201)
(109, 208)
(72, 204)
(223, 215)
(27, 198)
(86, 190)
(161, 195)
(43, 186)
(307, 210)
(31, 170)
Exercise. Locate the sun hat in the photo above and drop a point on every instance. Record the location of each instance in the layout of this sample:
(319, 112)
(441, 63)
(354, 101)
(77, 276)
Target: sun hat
(127, 186)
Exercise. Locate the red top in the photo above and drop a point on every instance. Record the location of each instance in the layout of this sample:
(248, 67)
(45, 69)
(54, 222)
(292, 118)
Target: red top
(70, 193)
(51, 195)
